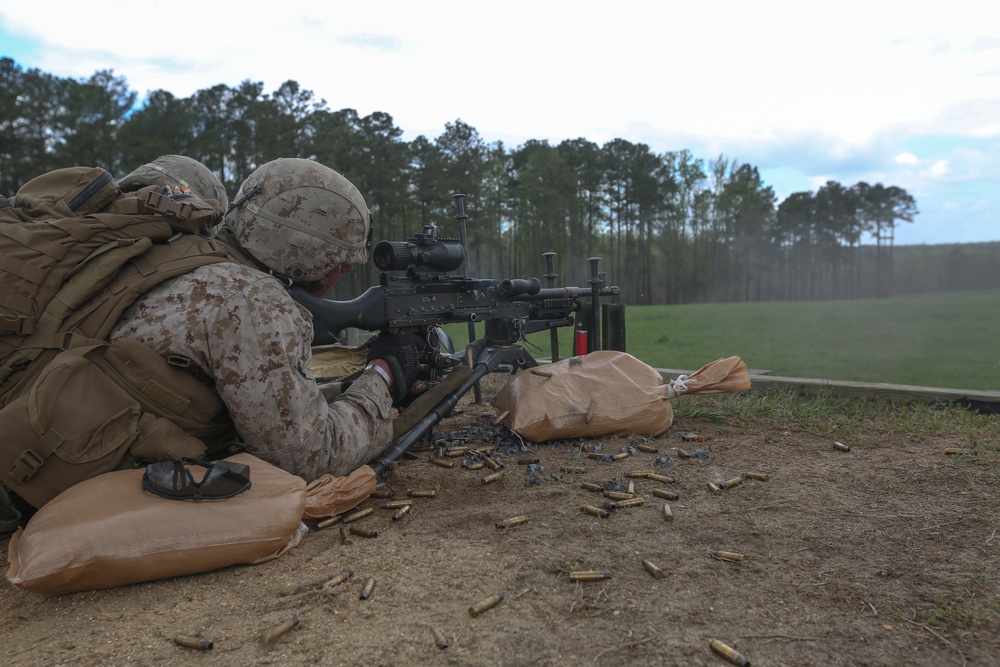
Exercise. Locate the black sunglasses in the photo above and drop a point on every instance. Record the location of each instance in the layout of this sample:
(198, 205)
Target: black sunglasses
(172, 479)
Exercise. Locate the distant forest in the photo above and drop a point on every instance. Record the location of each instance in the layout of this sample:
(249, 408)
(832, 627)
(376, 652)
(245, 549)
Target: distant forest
(670, 227)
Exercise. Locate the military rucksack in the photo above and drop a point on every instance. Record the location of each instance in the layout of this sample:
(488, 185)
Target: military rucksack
(74, 253)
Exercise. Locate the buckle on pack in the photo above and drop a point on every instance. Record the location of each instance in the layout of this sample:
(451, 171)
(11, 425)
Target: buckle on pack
(26, 465)
(164, 205)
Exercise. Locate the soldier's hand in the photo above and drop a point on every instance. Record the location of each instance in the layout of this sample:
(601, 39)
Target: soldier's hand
(401, 352)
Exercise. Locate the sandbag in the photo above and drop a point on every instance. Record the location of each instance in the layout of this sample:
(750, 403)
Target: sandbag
(604, 393)
(107, 531)
(328, 495)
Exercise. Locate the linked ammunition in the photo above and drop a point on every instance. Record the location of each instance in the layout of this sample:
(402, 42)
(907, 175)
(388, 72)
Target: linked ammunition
(648, 449)
(383, 491)
(730, 483)
(442, 463)
(500, 417)
(579, 470)
(619, 457)
(727, 556)
(513, 521)
(403, 511)
(396, 504)
(489, 479)
(617, 495)
(526, 461)
(366, 592)
(193, 642)
(326, 523)
(363, 532)
(660, 478)
(589, 575)
(668, 515)
(345, 537)
(664, 493)
(540, 372)
(841, 446)
(485, 605)
(589, 486)
(759, 476)
(714, 488)
(638, 474)
(439, 639)
(729, 654)
(652, 569)
(631, 502)
(269, 636)
(360, 514)
(596, 511)
(339, 579)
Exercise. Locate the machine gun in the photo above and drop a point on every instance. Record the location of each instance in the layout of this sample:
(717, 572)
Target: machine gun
(419, 292)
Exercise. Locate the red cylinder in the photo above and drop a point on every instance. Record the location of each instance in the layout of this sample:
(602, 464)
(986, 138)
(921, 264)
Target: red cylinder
(580, 343)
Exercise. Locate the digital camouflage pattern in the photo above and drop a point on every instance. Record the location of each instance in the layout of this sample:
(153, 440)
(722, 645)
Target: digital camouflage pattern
(243, 330)
(301, 219)
(174, 170)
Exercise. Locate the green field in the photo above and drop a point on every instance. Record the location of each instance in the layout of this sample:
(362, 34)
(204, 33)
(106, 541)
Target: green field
(931, 340)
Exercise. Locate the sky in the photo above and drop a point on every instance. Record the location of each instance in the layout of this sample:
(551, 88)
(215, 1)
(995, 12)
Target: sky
(904, 94)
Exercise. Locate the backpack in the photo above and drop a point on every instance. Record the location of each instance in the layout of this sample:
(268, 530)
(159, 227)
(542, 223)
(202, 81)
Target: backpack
(74, 254)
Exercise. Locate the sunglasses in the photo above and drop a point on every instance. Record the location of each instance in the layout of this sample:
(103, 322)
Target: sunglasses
(172, 479)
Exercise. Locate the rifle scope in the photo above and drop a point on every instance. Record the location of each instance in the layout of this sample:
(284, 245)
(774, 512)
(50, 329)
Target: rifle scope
(422, 253)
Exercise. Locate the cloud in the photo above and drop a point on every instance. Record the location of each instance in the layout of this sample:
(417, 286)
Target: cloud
(906, 158)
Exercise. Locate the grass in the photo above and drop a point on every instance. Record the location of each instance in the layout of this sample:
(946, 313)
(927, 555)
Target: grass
(930, 340)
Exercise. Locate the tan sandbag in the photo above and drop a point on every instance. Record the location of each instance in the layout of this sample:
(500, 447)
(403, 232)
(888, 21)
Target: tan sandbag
(328, 495)
(107, 531)
(603, 393)
(337, 360)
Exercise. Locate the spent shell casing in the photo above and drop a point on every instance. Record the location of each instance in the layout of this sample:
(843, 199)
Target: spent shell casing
(621, 456)
(668, 514)
(758, 476)
(360, 514)
(500, 417)
(952, 451)
(647, 448)
(443, 463)
(630, 502)
(617, 495)
(714, 488)
(541, 373)
(730, 556)
(596, 511)
(339, 579)
(652, 569)
(579, 470)
(198, 643)
(660, 478)
(271, 634)
(590, 486)
(439, 639)
(403, 511)
(610, 505)
(485, 605)
(366, 592)
(631, 486)
(383, 491)
(513, 521)
(595, 455)
(841, 446)
(326, 523)
(665, 493)
(492, 462)
(489, 479)
(682, 454)
(396, 504)
(589, 575)
(591, 409)
(730, 483)
(456, 453)
(345, 537)
(474, 465)
(363, 532)
(526, 461)
(637, 474)
(729, 654)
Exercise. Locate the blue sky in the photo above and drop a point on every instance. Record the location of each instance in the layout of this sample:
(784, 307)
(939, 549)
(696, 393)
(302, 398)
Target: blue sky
(807, 92)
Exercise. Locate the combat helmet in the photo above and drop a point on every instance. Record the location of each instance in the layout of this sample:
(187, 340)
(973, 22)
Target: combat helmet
(301, 219)
(176, 170)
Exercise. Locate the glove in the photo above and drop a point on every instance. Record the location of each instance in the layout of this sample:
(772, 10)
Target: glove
(402, 353)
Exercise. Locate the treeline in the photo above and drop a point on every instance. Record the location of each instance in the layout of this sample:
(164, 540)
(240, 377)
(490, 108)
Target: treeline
(669, 227)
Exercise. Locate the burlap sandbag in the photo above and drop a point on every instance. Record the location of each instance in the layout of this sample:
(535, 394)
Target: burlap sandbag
(604, 393)
(107, 531)
(328, 495)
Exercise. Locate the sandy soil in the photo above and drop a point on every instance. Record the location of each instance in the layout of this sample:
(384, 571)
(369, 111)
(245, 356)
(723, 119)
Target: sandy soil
(883, 555)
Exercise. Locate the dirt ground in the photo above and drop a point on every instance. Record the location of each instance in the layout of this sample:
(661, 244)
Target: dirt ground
(883, 555)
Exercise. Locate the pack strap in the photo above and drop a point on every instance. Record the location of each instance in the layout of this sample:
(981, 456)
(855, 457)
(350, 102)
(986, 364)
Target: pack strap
(21, 234)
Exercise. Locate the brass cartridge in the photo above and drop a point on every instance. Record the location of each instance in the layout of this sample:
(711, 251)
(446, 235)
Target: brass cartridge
(366, 592)
(474, 465)
(526, 461)
(579, 470)
(953, 451)
(715, 489)
(360, 514)
(383, 491)
(439, 639)
(664, 493)
(326, 523)
(491, 462)
(590, 410)
(637, 474)
(363, 532)
(729, 654)
(730, 556)
(403, 511)
(345, 537)
(631, 486)
(660, 478)
(590, 486)
(730, 483)
(396, 504)
(513, 521)
(193, 642)
(443, 463)
(617, 495)
(596, 456)
(668, 514)
(681, 454)
(621, 456)
(630, 502)
(758, 476)
(489, 479)
(589, 575)
(270, 635)
(652, 569)
(339, 579)
(500, 417)
(647, 448)
(841, 446)
(596, 511)
(485, 605)
(609, 505)
(456, 452)
(541, 373)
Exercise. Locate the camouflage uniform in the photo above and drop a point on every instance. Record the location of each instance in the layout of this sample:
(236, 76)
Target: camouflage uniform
(241, 327)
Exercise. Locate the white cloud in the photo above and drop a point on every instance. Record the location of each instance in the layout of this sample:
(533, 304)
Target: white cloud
(939, 168)
(906, 158)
